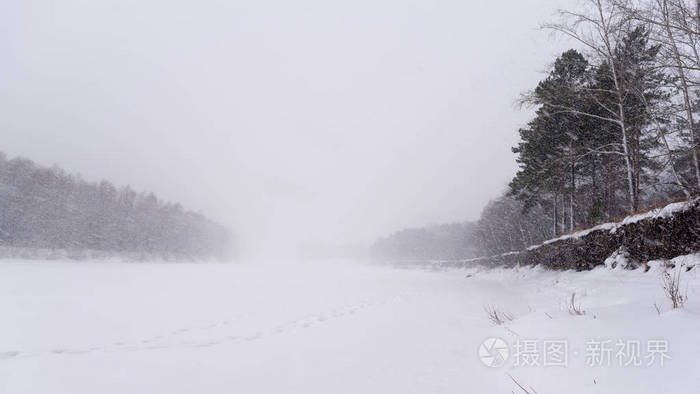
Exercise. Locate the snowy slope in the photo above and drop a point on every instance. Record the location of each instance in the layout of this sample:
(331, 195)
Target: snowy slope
(326, 328)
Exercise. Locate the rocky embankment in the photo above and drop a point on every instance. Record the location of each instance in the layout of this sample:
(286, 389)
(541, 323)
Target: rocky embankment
(662, 233)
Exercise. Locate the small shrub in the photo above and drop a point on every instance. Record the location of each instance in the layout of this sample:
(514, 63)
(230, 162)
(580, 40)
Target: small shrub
(671, 284)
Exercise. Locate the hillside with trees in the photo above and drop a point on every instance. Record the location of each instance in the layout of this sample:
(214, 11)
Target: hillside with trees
(47, 209)
(614, 129)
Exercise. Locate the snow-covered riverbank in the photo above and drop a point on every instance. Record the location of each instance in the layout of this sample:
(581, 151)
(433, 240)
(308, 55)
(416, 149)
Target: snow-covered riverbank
(335, 328)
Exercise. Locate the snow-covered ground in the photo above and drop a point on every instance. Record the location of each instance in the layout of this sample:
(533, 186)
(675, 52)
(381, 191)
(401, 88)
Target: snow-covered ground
(338, 328)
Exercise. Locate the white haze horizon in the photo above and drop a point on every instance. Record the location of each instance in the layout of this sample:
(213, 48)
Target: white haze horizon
(288, 122)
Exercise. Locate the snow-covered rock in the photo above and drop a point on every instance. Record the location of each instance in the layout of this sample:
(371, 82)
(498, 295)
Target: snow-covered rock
(661, 233)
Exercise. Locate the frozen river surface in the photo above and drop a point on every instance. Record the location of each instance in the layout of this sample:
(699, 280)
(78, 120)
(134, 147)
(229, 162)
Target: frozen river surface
(121, 328)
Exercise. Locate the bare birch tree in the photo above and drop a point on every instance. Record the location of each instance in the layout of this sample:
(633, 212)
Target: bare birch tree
(675, 25)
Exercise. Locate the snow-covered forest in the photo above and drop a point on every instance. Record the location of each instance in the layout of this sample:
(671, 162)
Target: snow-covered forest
(44, 210)
(615, 129)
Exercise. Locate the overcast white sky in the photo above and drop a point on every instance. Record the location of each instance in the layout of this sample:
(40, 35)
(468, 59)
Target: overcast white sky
(288, 120)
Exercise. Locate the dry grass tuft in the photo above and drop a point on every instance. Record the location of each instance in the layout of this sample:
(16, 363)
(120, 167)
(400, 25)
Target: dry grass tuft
(575, 309)
(496, 316)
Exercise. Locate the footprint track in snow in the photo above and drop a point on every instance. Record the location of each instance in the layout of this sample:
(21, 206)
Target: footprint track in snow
(159, 342)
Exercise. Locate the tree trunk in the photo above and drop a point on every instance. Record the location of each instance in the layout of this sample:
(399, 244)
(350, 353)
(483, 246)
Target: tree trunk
(555, 218)
(571, 195)
(631, 197)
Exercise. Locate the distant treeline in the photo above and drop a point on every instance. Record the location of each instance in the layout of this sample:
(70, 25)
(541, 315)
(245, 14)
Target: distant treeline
(442, 242)
(46, 208)
(615, 129)
(502, 228)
